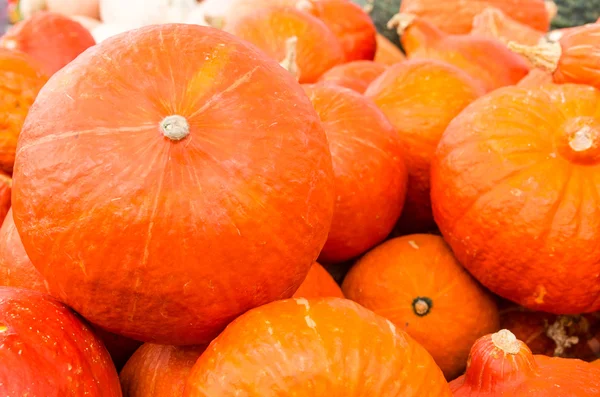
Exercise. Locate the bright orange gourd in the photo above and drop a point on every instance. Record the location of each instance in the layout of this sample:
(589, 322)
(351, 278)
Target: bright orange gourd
(502, 365)
(420, 98)
(21, 77)
(495, 24)
(387, 53)
(319, 284)
(369, 169)
(52, 39)
(271, 28)
(415, 282)
(456, 16)
(5, 195)
(535, 79)
(355, 75)
(315, 347)
(158, 370)
(513, 187)
(182, 206)
(486, 60)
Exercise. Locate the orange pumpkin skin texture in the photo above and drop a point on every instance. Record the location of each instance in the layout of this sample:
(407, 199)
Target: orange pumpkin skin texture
(158, 370)
(318, 49)
(387, 53)
(513, 190)
(536, 78)
(5, 195)
(420, 98)
(316, 347)
(52, 39)
(370, 174)
(21, 78)
(501, 365)
(237, 203)
(355, 75)
(318, 284)
(462, 13)
(495, 24)
(415, 282)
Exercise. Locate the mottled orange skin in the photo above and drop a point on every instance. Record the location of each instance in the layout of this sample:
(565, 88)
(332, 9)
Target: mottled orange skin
(456, 16)
(535, 79)
(21, 78)
(315, 347)
(495, 372)
(318, 284)
(517, 203)
(5, 195)
(46, 350)
(487, 60)
(158, 370)
(579, 60)
(495, 24)
(168, 240)
(52, 39)
(355, 75)
(369, 171)
(318, 49)
(420, 98)
(387, 53)
(390, 278)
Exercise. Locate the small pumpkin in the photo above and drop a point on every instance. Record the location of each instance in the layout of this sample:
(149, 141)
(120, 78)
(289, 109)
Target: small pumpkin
(493, 23)
(387, 53)
(368, 165)
(158, 370)
(316, 347)
(5, 195)
(318, 284)
(502, 365)
(52, 39)
(355, 75)
(415, 282)
(420, 98)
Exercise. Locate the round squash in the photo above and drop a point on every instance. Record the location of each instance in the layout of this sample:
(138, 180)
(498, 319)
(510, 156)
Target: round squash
(415, 282)
(420, 98)
(355, 75)
(513, 187)
(495, 24)
(387, 53)
(370, 175)
(216, 202)
(319, 284)
(5, 195)
(46, 350)
(317, 347)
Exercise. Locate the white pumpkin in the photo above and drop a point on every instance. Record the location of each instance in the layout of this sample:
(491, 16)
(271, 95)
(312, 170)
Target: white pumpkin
(138, 13)
(88, 8)
(87, 22)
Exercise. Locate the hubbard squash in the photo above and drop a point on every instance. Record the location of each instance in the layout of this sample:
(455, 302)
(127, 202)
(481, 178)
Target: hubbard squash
(5, 195)
(387, 53)
(212, 194)
(355, 75)
(493, 23)
(318, 284)
(316, 347)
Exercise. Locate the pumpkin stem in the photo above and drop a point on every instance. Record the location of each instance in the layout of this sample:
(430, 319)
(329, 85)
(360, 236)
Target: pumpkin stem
(291, 52)
(422, 306)
(551, 9)
(215, 22)
(582, 139)
(558, 332)
(544, 55)
(175, 127)
(401, 22)
(506, 341)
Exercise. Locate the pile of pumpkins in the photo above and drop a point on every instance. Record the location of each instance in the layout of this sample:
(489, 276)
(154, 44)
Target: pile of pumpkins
(285, 204)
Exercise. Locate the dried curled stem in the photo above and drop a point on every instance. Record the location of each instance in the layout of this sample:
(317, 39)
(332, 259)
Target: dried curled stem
(289, 62)
(401, 22)
(545, 55)
(559, 333)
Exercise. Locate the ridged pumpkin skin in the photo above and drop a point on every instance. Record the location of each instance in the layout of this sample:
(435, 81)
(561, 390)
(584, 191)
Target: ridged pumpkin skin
(158, 370)
(456, 16)
(21, 78)
(269, 28)
(203, 222)
(579, 60)
(415, 282)
(495, 24)
(318, 284)
(513, 191)
(316, 347)
(370, 174)
(5, 195)
(387, 53)
(501, 365)
(52, 39)
(420, 98)
(46, 350)
(355, 75)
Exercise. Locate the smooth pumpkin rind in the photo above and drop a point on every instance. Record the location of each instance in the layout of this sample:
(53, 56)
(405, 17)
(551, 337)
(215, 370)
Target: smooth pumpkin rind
(318, 284)
(355, 75)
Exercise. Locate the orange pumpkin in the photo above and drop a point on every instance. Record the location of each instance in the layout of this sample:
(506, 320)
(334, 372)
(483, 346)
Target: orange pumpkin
(420, 98)
(52, 39)
(512, 186)
(316, 347)
(158, 370)
(456, 16)
(271, 28)
(486, 60)
(495, 24)
(21, 78)
(318, 284)
(387, 53)
(355, 75)
(502, 365)
(415, 282)
(5, 195)
(244, 190)
(370, 175)
(535, 79)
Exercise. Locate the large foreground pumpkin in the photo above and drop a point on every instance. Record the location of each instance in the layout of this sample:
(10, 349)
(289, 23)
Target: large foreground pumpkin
(315, 347)
(514, 191)
(164, 218)
(47, 351)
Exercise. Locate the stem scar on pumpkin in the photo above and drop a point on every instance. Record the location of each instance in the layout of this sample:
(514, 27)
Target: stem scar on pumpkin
(506, 341)
(289, 63)
(175, 127)
(422, 306)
